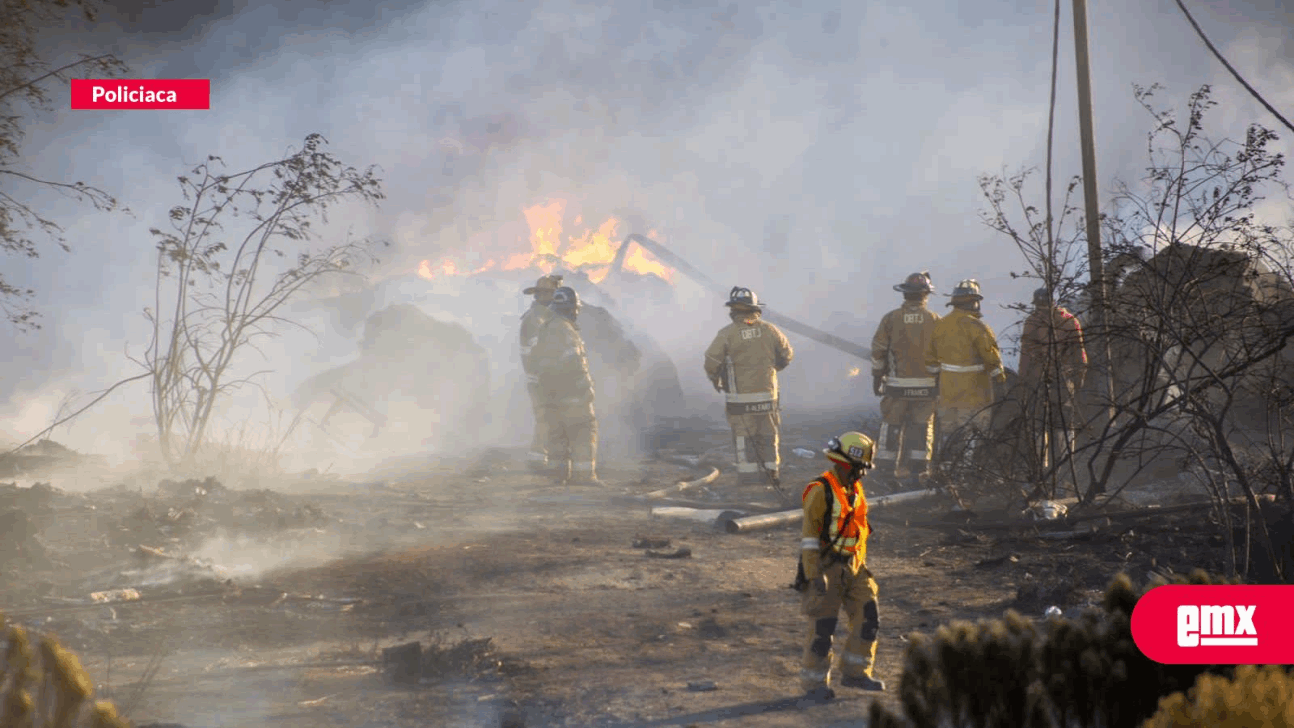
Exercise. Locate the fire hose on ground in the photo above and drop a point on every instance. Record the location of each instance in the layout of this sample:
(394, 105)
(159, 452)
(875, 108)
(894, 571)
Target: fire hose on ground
(768, 520)
(771, 520)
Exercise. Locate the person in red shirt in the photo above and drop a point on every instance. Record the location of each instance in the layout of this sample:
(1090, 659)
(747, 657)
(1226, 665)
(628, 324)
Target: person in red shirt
(1053, 368)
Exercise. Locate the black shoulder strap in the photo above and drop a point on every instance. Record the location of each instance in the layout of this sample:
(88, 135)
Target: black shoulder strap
(826, 516)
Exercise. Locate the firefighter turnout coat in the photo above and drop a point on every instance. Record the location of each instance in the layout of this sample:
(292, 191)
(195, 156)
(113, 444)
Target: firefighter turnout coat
(899, 350)
(964, 354)
(531, 321)
(744, 360)
(908, 400)
(1051, 344)
(565, 391)
(834, 545)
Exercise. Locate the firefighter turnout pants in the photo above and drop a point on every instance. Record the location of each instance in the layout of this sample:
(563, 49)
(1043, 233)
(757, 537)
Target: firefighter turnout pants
(537, 457)
(756, 439)
(572, 439)
(856, 593)
(907, 434)
(960, 431)
(1054, 415)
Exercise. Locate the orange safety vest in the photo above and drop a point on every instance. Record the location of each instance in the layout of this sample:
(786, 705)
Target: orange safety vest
(845, 526)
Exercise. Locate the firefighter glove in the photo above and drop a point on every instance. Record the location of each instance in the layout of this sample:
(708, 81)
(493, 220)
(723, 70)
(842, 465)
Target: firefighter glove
(878, 386)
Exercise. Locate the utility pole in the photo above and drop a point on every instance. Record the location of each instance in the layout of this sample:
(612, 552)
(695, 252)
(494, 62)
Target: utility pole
(1097, 290)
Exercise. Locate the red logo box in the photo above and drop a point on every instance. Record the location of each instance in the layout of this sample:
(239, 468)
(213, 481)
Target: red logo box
(1231, 624)
(153, 93)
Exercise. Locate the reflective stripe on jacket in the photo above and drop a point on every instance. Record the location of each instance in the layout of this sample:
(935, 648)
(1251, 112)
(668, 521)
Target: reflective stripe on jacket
(899, 345)
(748, 354)
(847, 519)
(560, 364)
(964, 353)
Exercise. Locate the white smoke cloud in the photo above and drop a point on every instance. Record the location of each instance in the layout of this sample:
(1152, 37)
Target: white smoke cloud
(865, 127)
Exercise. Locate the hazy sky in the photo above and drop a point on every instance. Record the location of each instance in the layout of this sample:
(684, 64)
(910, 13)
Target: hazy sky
(857, 130)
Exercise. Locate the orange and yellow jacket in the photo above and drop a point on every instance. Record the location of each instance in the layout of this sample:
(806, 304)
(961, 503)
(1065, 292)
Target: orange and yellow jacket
(847, 519)
(963, 352)
(1051, 344)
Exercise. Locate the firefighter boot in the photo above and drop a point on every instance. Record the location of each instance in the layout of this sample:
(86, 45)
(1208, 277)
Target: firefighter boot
(583, 429)
(862, 682)
(815, 666)
(859, 654)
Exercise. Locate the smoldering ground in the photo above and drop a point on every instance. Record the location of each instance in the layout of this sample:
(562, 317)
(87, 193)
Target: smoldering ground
(816, 152)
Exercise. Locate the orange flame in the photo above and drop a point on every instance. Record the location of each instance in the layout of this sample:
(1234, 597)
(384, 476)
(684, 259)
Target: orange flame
(591, 251)
(855, 371)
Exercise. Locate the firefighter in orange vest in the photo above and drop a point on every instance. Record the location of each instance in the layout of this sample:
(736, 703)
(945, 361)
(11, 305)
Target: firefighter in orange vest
(899, 377)
(1053, 368)
(964, 354)
(743, 362)
(833, 565)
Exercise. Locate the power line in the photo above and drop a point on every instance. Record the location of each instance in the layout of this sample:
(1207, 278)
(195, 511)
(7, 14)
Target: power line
(1229, 67)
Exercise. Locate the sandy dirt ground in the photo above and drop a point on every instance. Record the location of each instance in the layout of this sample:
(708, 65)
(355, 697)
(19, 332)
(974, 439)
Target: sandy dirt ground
(533, 604)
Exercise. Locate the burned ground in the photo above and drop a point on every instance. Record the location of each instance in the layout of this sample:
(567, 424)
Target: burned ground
(530, 603)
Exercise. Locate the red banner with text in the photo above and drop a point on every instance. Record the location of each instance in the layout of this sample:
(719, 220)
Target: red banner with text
(153, 93)
(1229, 624)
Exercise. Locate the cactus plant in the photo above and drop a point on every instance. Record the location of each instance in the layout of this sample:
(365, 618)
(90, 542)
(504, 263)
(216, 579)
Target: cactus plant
(47, 687)
(1063, 672)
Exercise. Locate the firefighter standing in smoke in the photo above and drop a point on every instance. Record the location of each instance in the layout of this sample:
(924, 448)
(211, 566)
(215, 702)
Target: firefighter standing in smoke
(565, 390)
(743, 362)
(531, 321)
(900, 378)
(1053, 367)
(834, 574)
(963, 353)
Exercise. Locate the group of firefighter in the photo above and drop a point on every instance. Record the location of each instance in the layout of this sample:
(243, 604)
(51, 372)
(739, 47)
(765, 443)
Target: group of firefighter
(926, 368)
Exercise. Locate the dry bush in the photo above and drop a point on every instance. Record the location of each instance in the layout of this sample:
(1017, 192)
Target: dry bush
(1199, 328)
(1015, 673)
(43, 685)
(1256, 696)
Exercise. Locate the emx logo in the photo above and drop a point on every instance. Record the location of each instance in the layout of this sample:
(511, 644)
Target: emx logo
(1216, 624)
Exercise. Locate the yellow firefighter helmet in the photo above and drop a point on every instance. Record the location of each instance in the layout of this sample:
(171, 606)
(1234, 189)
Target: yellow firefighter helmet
(967, 290)
(852, 449)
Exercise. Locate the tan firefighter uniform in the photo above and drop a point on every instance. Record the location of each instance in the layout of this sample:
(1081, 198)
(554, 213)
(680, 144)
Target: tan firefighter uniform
(531, 321)
(743, 361)
(1053, 367)
(565, 392)
(964, 354)
(908, 403)
(834, 545)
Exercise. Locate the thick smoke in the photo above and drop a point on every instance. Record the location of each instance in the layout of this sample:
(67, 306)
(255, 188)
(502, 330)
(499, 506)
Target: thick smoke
(817, 152)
